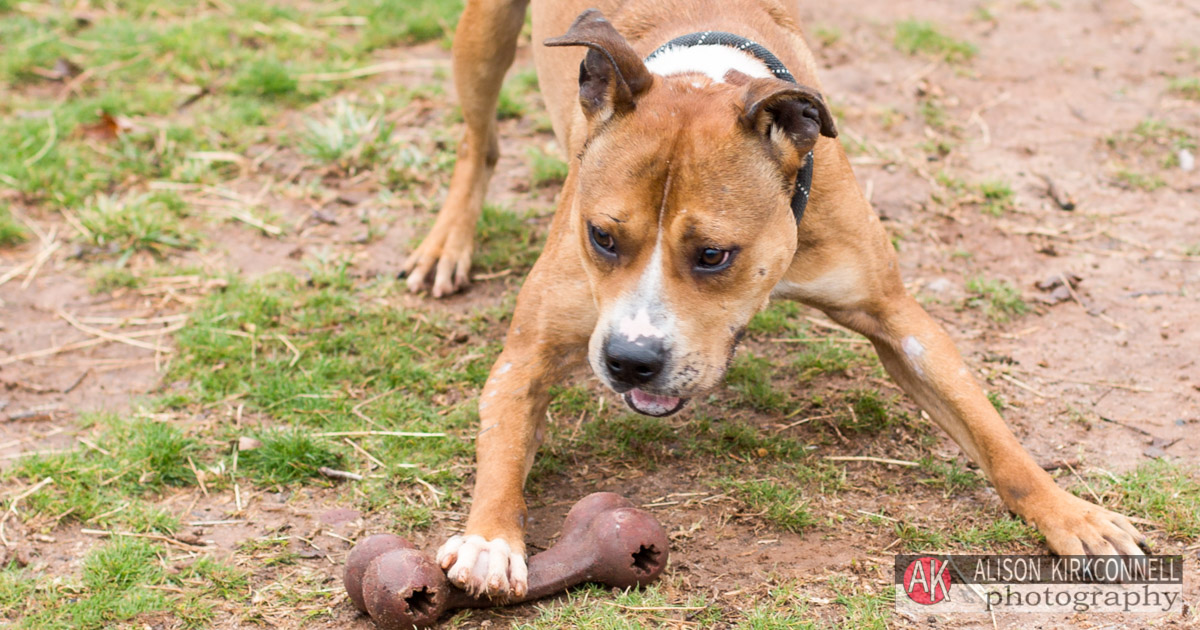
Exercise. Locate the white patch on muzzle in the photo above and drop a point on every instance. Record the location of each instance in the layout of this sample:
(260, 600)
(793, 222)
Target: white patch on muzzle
(639, 314)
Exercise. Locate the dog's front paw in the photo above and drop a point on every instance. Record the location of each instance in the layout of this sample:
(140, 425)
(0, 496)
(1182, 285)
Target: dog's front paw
(1074, 527)
(485, 567)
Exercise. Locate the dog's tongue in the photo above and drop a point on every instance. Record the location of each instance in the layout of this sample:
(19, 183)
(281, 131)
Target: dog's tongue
(651, 404)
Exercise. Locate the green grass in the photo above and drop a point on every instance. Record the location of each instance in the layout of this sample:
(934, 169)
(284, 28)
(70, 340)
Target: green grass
(777, 319)
(546, 169)
(1129, 178)
(1185, 87)
(949, 476)
(934, 114)
(267, 78)
(287, 456)
(11, 231)
(396, 22)
(919, 37)
(124, 226)
(507, 240)
(629, 609)
(1160, 490)
(123, 580)
(998, 531)
(999, 299)
(347, 138)
(865, 610)
(750, 378)
(872, 412)
(780, 504)
(997, 197)
(827, 35)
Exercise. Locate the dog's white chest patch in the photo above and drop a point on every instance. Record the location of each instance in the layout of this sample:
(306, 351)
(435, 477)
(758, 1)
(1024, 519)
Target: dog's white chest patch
(713, 61)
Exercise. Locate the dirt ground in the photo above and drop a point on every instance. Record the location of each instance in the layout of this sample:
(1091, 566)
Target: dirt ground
(1105, 379)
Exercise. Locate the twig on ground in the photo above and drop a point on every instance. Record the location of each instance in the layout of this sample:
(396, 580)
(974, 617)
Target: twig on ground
(290, 346)
(1019, 383)
(339, 474)
(199, 477)
(86, 343)
(1085, 483)
(877, 460)
(159, 537)
(98, 332)
(70, 388)
(12, 506)
(379, 68)
(380, 433)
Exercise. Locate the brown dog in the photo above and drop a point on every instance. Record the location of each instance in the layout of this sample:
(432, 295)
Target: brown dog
(683, 213)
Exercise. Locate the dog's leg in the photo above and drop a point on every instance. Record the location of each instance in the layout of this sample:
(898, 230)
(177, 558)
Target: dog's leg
(852, 275)
(484, 45)
(547, 338)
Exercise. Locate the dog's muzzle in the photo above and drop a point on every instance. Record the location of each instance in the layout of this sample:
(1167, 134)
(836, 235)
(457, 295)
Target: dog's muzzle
(632, 366)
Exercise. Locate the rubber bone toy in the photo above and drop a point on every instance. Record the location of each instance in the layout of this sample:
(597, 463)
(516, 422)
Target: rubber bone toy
(604, 539)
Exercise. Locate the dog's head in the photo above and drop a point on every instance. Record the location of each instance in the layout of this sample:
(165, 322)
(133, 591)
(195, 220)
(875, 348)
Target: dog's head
(683, 212)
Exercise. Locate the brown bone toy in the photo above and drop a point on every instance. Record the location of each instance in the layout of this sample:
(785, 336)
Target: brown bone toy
(604, 539)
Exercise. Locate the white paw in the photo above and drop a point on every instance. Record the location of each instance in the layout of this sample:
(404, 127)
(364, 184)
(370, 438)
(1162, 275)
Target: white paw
(485, 567)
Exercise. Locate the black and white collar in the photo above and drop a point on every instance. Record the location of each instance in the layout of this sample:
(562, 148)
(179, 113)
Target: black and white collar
(750, 58)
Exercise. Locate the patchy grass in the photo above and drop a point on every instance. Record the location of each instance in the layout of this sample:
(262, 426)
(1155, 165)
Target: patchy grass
(126, 225)
(633, 608)
(11, 232)
(777, 319)
(750, 377)
(1134, 180)
(393, 22)
(546, 169)
(287, 456)
(918, 37)
(865, 610)
(999, 299)
(949, 476)
(1160, 490)
(347, 138)
(870, 412)
(507, 240)
(999, 531)
(997, 197)
(122, 580)
(780, 504)
(1185, 87)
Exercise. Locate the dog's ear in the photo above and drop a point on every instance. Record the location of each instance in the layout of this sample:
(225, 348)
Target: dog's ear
(612, 75)
(786, 114)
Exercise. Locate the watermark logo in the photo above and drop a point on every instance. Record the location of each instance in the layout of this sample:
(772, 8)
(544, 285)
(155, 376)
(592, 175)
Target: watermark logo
(1043, 584)
(927, 580)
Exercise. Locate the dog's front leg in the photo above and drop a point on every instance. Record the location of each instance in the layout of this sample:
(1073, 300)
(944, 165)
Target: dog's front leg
(920, 356)
(847, 268)
(547, 338)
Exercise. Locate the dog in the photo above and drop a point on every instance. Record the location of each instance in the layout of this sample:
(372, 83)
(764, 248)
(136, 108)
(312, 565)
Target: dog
(705, 180)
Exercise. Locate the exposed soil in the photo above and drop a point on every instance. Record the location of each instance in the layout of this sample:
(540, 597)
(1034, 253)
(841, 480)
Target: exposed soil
(1105, 379)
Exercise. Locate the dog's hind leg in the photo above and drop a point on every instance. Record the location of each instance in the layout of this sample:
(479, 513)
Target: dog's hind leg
(484, 46)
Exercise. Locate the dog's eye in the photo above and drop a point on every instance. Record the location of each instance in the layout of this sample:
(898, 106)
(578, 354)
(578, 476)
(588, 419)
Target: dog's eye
(603, 241)
(713, 259)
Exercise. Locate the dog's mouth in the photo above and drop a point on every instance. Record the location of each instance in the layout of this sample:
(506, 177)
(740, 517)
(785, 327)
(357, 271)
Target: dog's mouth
(652, 404)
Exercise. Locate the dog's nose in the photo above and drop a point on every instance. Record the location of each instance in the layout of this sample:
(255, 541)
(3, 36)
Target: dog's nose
(636, 362)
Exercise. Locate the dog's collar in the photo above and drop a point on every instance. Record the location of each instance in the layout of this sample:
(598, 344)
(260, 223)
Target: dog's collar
(775, 67)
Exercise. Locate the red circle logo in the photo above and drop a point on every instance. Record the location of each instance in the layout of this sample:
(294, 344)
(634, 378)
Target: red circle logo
(927, 580)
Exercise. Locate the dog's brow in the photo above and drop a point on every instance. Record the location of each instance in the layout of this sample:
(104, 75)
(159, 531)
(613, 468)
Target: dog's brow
(615, 219)
(662, 207)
